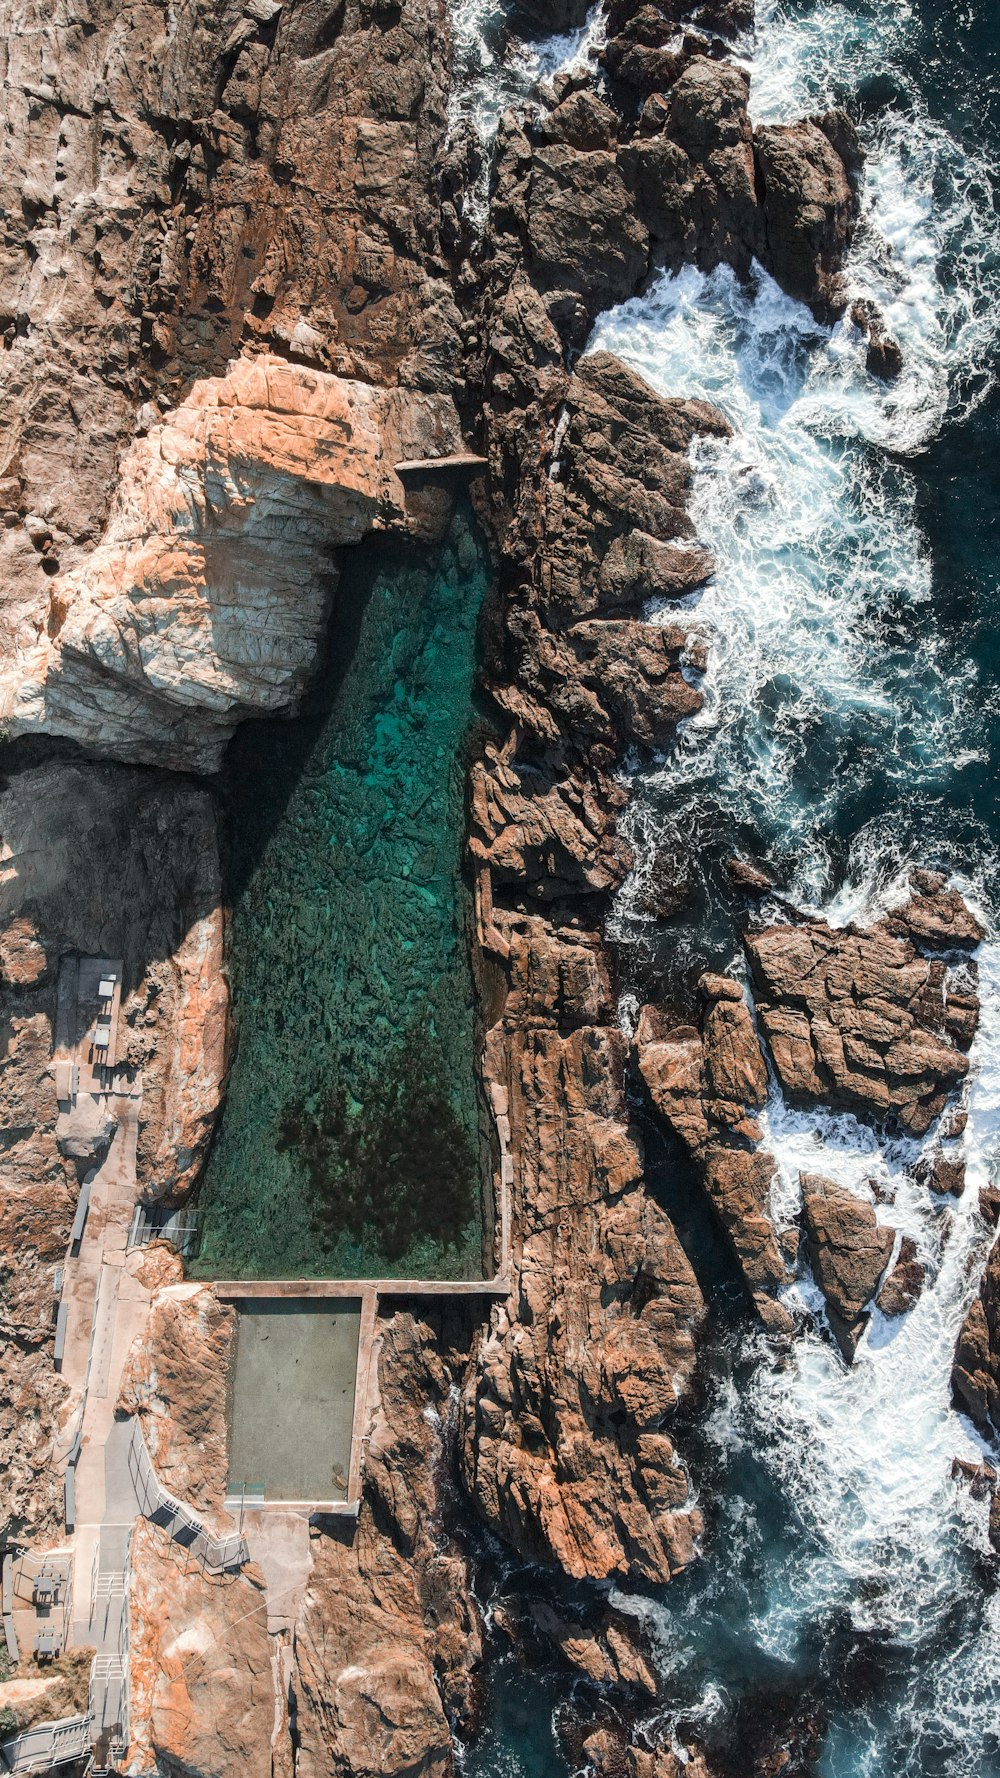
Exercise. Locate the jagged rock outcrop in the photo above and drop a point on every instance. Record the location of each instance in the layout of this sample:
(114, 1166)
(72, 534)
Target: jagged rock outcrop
(976, 1371)
(205, 600)
(903, 1284)
(564, 1444)
(707, 1084)
(859, 1019)
(848, 1252)
(186, 183)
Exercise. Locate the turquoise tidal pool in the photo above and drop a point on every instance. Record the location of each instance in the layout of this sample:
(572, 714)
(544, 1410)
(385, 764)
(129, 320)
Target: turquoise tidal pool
(349, 1144)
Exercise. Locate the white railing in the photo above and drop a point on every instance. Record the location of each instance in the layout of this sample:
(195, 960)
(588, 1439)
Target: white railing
(215, 1554)
(47, 1744)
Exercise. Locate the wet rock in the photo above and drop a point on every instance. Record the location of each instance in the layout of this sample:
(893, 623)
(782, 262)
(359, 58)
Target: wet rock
(904, 1283)
(858, 1019)
(609, 1654)
(975, 1373)
(848, 1252)
(809, 205)
(941, 1174)
(989, 1204)
(748, 878)
(609, 1753)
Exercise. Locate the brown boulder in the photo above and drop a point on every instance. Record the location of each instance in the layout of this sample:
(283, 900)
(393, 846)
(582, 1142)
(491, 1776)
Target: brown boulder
(904, 1283)
(857, 1019)
(848, 1252)
(976, 1371)
(935, 917)
(809, 206)
(942, 1174)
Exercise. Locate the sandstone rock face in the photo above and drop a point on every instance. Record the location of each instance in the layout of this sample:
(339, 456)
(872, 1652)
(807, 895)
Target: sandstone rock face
(204, 602)
(848, 1252)
(707, 1084)
(387, 1641)
(564, 1444)
(95, 862)
(198, 181)
(859, 1019)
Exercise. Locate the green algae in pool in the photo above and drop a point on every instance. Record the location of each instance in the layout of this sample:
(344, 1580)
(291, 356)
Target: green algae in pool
(349, 1142)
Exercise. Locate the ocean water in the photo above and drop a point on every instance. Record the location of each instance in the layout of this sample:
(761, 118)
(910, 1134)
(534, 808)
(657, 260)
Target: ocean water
(348, 1145)
(850, 729)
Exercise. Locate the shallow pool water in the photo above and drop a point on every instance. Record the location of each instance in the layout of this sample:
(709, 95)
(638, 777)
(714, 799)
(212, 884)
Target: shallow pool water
(349, 1142)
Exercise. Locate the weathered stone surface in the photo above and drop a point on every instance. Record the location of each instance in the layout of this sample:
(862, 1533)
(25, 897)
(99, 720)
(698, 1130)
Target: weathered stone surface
(848, 1252)
(200, 1663)
(204, 602)
(976, 1372)
(563, 1442)
(859, 1019)
(177, 1381)
(809, 205)
(934, 916)
(555, 835)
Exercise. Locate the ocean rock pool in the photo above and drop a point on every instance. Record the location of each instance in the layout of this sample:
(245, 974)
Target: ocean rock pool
(349, 1144)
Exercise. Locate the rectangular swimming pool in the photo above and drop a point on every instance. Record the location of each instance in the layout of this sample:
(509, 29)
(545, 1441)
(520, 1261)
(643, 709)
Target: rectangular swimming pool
(292, 1407)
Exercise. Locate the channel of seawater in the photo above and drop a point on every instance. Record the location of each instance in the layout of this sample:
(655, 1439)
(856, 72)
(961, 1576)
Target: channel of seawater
(851, 727)
(349, 1140)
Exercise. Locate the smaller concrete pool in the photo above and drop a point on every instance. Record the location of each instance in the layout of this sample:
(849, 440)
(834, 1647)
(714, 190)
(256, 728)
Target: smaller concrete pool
(292, 1408)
